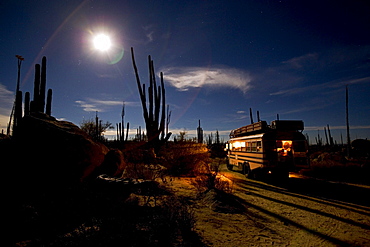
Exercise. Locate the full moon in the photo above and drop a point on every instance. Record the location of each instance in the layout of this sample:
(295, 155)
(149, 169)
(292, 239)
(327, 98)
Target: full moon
(102, 42)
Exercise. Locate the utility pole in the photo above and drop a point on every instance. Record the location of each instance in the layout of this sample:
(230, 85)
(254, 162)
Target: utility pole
(20, 60)
(347, 122)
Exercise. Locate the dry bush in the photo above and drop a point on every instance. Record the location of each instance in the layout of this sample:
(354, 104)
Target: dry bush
(209, 178)
(145, 171)
(184, 158)
(335, 166)
(177, 213)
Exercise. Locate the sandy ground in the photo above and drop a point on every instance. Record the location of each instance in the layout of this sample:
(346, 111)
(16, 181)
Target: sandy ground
(299, 212)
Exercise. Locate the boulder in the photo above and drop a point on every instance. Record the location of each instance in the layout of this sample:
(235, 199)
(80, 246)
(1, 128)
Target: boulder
(113, 165)
(59, 151)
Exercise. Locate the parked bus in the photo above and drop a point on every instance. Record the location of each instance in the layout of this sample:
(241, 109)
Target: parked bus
(258, 148)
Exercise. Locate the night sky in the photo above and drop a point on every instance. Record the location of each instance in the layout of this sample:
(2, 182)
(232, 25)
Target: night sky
(219, 58)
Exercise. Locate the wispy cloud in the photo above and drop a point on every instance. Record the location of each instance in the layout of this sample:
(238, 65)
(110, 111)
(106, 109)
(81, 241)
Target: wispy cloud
(90, 105)
(301, 61)
(331, 84)
(184, 78)
(6, 102)
(149, 33)
(341, 127)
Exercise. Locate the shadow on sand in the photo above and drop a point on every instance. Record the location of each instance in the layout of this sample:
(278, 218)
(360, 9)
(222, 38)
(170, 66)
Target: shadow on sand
(345, 196)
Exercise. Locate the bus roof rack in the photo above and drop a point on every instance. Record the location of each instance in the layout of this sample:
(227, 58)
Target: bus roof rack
(248, 129)
(261, 126)
(287, 125)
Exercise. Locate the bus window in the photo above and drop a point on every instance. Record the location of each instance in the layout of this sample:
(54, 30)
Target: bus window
(243, 146)
(254, 146)
(238, 146)
(259, 146)
(284, 147)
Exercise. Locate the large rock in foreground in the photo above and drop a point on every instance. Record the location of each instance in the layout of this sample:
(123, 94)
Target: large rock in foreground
(59, 151)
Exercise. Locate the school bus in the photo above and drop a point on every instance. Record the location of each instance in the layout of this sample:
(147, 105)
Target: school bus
(258, 149)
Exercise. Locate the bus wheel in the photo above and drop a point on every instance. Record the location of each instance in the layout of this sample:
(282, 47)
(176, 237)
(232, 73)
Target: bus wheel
(247, 170)
(229, 167)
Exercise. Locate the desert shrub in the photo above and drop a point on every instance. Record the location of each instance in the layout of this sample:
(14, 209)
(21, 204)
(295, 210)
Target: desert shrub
(174, 213)
(334, 166)
(209, 178)
(145, 171)
(184, 158)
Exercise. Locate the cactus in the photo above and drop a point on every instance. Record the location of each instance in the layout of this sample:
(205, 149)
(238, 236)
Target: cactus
(157, 102)
(27, 103)
(48, 101)
(17, 111)
(251, 115)
(42, 86)
(326, 137)
(200, 133)
(36, 89)
(330, 137)
(39, 89)
(120, 132)
(127, 128)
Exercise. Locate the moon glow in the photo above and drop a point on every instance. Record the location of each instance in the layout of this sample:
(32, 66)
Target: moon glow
(102, 42)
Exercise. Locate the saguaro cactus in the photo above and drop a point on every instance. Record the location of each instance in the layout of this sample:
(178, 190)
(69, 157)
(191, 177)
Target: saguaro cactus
(39, 89)
(199, 133)
(36, 90)
(27, 103)
(42, 86)
(48, 102)
(17, 111)
(157, 102)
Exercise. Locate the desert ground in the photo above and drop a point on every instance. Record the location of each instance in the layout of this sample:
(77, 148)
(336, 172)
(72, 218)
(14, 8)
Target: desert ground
(299, 212)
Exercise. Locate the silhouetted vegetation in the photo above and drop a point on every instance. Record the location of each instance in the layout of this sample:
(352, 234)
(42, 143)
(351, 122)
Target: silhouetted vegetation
(332, 162)
(96, 128)
(155, 124)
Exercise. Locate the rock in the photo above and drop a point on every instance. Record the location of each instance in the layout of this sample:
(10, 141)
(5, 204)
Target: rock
(113, 165)
(60, 152)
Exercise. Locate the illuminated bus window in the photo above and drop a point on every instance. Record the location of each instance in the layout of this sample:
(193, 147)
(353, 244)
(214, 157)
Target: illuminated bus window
(243, 146)
(259, 146)
(284, 147)
(237, 145)
(254, 147)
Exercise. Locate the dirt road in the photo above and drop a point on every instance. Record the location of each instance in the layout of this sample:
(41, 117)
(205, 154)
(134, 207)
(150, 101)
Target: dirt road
(299, 212)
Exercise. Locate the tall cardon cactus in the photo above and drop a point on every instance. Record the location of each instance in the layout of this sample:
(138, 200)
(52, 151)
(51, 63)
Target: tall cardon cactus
(155, 124)
(39, 90)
